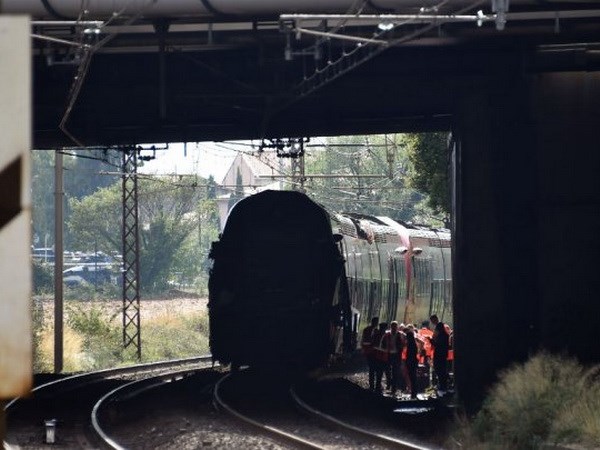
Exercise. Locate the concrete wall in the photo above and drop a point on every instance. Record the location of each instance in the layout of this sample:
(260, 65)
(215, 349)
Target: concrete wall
(527, 204)
(567, 120)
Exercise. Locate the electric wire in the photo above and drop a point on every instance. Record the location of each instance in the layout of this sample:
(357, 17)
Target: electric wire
(83, 68)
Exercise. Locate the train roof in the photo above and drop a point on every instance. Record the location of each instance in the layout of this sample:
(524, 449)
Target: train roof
(380, 229)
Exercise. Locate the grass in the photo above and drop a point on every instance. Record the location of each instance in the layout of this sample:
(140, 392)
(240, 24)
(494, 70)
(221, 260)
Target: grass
(548, 400)
(93, 338)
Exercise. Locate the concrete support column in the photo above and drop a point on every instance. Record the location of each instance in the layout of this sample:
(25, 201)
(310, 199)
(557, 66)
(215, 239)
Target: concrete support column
(567, 124)
(495, 226)
(527, 245)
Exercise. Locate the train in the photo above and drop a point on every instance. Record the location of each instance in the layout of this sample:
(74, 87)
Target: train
(292, 284)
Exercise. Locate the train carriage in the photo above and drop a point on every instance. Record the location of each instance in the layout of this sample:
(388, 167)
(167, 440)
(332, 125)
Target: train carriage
(273, 281)
(292, 283)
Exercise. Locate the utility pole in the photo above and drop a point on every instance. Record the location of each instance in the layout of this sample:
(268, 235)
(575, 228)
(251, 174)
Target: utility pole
(58, 261)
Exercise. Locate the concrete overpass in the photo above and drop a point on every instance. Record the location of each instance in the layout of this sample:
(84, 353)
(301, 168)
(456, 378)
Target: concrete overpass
(522, 99)
(122, 72)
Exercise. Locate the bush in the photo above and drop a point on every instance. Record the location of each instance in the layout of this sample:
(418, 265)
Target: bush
(88, 291)
(41, 362)
(91, 322)
(549, 399)
(43, 277)
(175, 336)
(93, 337)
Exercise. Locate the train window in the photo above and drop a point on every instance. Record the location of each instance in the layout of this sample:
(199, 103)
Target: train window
(350, 263)
(400, 288)
(375, 264)
(358, 269)
(423, 276)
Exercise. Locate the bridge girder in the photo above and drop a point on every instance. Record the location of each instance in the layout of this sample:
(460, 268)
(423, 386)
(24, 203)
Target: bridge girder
(166, 80)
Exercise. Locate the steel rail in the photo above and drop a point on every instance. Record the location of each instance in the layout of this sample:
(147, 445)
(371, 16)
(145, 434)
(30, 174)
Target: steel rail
(266, 429)
(107, 373)
(135, 387)
(378, 438)
(136, 368)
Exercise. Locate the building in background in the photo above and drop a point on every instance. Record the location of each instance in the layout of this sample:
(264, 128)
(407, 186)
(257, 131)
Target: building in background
(249, 174)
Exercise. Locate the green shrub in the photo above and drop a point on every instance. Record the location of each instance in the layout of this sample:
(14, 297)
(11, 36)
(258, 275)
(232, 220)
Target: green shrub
(549, 399)
(88, 291)
(43, 277)
(90, 322)
(102, 336)
(41, 362)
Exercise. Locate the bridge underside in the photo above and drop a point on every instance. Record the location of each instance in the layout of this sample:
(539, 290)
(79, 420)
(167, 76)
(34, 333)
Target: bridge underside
(165, 81)
(524, 106)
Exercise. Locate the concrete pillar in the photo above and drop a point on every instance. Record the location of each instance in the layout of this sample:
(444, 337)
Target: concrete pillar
(526, 224)
(567, 122)
(494, 223)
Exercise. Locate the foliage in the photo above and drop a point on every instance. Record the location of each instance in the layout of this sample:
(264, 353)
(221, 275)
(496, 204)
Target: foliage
(81, 177)
(101, 336)
(42, 197)
(89, 291)
(93, 337)
(191, 261)
(169, 213)
(238, 193)
(549, 399)
(43, 277)
(40, 363)
(95, 220)
(372, 179)
(429, 169)
(175, 336)
(89, 322)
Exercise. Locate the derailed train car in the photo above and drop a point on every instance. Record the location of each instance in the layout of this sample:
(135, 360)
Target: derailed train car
(394, 271)
(292, 284)
(272, 284)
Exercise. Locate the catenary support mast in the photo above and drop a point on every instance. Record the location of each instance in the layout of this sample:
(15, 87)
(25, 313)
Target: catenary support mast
(131, 259)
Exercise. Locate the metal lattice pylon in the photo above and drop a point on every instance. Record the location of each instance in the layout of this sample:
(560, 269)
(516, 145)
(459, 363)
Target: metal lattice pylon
(131, 258)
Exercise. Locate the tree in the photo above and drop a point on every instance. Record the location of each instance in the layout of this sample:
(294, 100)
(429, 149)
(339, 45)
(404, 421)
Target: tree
(238, 193)
(81, 177)
(169, 213)
(372, 176)
(428, 156)
(42, 197)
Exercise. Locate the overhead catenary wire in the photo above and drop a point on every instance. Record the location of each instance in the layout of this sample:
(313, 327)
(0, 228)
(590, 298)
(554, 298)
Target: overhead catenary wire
(83, 68)
(327, 193)
(304, 87)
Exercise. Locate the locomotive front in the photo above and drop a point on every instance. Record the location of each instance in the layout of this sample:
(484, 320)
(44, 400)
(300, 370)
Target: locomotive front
(272, 284)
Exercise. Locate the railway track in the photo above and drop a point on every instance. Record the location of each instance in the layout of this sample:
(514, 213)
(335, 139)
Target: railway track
(167, 405)
(68, 402)
(350, 429)
(273, 408)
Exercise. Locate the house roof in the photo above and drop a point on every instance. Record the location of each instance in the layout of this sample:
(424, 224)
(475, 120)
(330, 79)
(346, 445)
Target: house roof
(263, 164)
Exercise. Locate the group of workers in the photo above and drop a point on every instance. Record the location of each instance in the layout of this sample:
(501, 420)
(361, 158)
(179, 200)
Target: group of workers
(399, 350)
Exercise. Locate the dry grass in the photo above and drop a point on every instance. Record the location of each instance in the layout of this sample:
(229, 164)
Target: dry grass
(73, 351)
(170, 329)
(548, 400)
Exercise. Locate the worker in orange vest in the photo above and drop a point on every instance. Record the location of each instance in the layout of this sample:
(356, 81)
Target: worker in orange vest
(394, 342)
